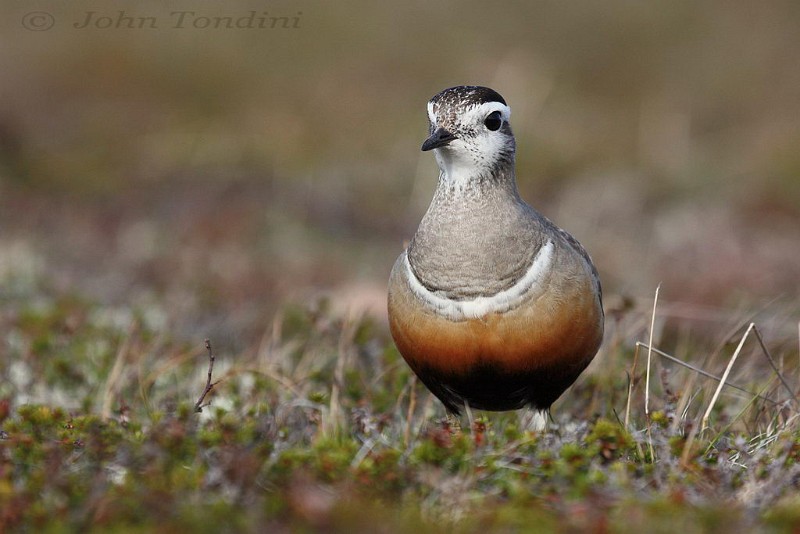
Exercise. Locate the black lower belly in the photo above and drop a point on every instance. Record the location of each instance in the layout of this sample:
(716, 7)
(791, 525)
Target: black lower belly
(487, 387)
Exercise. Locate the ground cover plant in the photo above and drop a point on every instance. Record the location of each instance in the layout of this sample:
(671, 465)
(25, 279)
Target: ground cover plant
(321, 426)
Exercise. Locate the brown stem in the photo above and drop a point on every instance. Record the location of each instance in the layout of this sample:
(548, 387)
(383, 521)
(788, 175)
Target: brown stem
(198, 406)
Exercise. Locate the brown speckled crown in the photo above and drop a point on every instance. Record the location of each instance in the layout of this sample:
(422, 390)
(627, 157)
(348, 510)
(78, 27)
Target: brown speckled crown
(450, 102)
(467, 95)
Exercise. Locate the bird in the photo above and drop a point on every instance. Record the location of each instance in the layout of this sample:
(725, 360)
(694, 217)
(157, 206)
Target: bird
(491, 304)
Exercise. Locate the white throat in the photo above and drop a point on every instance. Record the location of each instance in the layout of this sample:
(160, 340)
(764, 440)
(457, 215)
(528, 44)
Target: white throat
(475, 151)
(457, 170)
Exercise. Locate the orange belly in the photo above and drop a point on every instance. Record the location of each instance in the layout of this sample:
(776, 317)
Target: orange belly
(526, 356)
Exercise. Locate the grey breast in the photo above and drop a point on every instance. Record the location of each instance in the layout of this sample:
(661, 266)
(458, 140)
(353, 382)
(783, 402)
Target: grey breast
(476, 243)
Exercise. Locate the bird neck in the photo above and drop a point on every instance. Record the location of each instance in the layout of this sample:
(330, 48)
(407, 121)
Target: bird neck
(461, 182)
(477, 237)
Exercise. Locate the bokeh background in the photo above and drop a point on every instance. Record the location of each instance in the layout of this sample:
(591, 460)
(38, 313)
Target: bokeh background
(212, 175)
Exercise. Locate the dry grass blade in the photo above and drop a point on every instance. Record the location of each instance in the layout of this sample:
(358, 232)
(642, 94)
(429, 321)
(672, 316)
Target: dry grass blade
(412, 405)
(335, 418)
(168, 364)
(730, 424)
(725, 375)
(631, 378)
(688, 447)
(106, 396)
(650, 353)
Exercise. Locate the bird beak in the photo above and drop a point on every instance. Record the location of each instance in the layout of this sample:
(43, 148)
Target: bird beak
(438, 138)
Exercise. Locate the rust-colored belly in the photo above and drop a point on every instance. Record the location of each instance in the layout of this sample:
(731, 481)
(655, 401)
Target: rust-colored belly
(526, 356)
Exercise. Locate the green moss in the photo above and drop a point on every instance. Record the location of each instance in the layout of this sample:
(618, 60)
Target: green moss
(443, 449)
(785, 516)
(610, 440)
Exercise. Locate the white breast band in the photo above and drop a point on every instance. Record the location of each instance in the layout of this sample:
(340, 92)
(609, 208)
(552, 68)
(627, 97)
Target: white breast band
(503, 301)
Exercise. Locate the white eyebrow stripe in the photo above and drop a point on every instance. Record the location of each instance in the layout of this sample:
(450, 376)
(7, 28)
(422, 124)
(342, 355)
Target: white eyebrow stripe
(478, 113)
(431, 114)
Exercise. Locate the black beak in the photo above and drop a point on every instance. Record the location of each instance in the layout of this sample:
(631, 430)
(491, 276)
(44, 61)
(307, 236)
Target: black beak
(439, 138)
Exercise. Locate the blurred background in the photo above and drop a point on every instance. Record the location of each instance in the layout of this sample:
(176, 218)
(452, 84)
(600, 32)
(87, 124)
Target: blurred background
(212, 174)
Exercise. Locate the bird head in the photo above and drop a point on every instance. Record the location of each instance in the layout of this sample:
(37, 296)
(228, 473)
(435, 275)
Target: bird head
(470, 132)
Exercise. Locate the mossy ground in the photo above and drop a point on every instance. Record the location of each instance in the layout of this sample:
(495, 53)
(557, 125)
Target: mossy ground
(323, 427)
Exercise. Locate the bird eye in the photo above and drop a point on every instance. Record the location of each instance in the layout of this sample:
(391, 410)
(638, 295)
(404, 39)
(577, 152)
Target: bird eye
(493, 121)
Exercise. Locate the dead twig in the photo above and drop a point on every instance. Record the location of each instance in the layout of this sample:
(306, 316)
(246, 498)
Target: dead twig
(772, 363)
(198, 406)
(707, 374)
